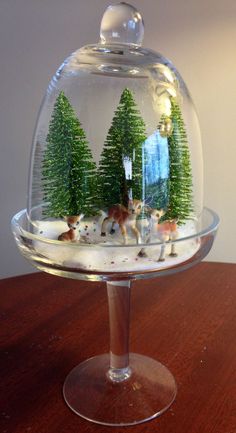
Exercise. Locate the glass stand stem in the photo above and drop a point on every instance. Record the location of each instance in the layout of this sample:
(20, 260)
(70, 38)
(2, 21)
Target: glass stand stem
(119, 388)
(119, 312)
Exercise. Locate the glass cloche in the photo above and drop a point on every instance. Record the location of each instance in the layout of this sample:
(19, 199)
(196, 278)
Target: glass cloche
(116, 158)
(115, 194)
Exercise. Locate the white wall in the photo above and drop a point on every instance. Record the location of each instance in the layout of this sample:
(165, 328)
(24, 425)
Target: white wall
(199, 36)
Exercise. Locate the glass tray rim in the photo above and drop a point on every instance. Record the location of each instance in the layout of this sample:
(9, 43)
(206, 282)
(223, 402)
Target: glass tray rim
(205, 231)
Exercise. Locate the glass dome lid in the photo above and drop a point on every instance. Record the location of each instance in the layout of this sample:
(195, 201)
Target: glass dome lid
(116, 153)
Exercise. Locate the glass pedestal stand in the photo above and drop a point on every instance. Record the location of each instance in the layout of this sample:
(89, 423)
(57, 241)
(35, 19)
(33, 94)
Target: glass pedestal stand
(119, 389)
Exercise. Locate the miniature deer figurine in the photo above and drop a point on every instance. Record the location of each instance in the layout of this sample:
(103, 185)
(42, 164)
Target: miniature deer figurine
(167, 231)
(125, 217)
(154, 216)
(72, 234)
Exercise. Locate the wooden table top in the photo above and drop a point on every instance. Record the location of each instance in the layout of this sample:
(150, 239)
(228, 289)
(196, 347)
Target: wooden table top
(187, 321)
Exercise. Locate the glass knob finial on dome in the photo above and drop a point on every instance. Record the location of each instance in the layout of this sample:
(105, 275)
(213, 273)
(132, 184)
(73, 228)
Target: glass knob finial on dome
(122, 23)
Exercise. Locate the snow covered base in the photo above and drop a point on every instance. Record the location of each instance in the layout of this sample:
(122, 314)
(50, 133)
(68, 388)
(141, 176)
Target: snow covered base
(93, 252)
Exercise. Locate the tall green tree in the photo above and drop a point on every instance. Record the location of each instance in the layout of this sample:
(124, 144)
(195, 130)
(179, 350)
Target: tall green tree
(180, 184)
(68, 171)
(120, 167)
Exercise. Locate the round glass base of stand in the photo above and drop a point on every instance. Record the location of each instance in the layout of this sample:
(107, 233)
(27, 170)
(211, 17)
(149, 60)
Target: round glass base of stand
(146, 391)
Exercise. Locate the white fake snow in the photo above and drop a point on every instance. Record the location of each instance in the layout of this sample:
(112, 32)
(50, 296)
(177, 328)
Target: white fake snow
(115, 258)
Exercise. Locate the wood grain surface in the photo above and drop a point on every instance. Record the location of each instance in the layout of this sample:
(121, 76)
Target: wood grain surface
(187, 321)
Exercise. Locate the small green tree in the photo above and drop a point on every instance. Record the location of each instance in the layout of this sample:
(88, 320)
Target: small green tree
(120, 167)
(180, 185)
(68, 172)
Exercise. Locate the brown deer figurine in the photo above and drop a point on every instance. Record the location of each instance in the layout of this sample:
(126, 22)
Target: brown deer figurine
(72, 234)
(124, 217)
(165, 231)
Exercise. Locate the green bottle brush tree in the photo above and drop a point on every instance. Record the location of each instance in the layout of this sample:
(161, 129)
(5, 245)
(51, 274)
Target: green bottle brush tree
(123, 146)
(68, 171)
